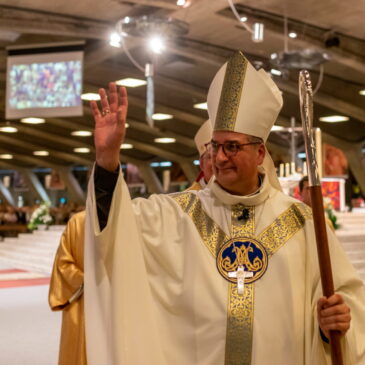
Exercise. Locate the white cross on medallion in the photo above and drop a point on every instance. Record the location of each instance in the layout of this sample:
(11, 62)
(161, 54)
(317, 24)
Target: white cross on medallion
(241, 275)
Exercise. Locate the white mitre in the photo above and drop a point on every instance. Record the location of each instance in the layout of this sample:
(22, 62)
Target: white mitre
(243, 100)
(203, 136)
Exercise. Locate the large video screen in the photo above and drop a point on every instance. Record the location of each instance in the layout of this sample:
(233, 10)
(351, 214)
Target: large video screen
(47, 84)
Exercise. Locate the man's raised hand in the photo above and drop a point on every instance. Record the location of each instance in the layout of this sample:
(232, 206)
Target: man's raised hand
(109, 125)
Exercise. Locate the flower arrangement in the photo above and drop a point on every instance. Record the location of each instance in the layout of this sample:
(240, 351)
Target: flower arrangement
(40, 216)
(328, 207)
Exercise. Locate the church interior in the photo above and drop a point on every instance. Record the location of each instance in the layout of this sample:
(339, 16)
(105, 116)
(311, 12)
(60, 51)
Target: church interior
(56, 55)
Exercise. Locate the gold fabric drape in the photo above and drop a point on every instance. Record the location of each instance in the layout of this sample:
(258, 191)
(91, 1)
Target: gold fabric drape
(67, 277)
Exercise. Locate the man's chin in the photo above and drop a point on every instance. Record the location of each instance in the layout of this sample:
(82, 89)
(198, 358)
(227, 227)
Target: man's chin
(225, 179)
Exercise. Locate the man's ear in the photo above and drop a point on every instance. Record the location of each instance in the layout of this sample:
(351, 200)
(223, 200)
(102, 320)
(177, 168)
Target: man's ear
(261, 152)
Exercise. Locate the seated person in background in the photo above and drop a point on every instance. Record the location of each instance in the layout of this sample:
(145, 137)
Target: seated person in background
(66, 291)
(306, 197)
(10, 216)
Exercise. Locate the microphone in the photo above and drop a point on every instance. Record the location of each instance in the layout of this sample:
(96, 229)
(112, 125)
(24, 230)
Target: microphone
(245, 215)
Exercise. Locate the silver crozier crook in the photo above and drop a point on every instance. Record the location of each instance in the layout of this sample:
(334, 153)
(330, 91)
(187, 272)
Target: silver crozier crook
(306, 110)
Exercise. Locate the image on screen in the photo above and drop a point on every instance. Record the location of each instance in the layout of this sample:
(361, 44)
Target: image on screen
(44, 85)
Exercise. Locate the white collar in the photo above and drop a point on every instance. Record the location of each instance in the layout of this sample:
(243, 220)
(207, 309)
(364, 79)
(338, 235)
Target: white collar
(256, 198)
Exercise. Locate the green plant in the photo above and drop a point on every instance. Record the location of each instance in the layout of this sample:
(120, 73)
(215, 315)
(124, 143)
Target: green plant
(328, 207)
(40, 216)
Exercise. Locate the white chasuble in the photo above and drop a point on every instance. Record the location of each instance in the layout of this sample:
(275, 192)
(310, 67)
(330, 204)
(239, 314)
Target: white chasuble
(163, 281)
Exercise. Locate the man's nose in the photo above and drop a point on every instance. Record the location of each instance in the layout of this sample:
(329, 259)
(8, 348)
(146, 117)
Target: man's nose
(220, 155)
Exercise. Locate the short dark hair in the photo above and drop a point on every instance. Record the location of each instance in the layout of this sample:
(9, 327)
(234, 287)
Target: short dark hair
(301, 182)
(253, 139)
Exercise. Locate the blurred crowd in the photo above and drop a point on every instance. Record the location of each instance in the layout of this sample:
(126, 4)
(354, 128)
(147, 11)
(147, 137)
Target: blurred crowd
(21, 215)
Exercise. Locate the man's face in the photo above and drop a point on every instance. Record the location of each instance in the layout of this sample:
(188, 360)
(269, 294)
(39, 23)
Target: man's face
(206, 165)
(237, 174)
(305, 194)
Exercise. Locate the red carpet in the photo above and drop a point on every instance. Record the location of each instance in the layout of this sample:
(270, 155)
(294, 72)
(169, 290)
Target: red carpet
(24, 279)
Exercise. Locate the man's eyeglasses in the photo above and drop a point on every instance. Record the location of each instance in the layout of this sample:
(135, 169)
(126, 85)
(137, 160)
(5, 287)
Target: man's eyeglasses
(229, 148)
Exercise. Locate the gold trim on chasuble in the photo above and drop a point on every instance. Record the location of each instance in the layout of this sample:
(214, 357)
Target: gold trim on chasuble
(241, 307)
(229, 101)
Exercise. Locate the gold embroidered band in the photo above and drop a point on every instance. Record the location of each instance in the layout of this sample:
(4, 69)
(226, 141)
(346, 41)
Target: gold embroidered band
(229, 101)
(240, 309)
(209, 231)
(284, 227)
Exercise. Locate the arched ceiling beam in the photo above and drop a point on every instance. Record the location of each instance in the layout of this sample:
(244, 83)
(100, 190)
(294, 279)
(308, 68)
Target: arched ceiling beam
(12, 142)
(40, 22)
(141, 103)
(160, 80)
(155, 131)
(313, 36)
(326, 100)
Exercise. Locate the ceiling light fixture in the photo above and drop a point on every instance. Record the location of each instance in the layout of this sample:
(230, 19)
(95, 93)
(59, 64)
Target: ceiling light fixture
(6, 156)
(90, 96)
(126, 146)
(276, 128)
(160, 28)
(293, 35)
(362, 92)
(334, 118)
(33, 120)
(202, 106)
(131, 82)
(183, 3)
(275, 72)
(258, 32)
(161, 116)
(165, 140)
(161, 164)
(8, 129)
(114, 40)
(40, 153)
(243, 19)
(81, 133)
(156, 44)
(82, 150)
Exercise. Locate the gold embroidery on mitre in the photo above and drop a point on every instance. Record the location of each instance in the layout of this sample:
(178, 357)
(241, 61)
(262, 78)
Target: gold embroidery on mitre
(230, 97)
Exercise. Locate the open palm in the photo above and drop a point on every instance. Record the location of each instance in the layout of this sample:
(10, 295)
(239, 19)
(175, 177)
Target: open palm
(109, 125)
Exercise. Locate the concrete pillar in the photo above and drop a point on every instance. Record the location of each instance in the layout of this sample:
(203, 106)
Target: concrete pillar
(6, 194)
(74, 190)
(190, 171)
(34, 184)
(150, 179)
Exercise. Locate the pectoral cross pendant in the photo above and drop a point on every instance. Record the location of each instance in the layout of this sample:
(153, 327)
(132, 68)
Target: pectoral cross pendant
(241, 275)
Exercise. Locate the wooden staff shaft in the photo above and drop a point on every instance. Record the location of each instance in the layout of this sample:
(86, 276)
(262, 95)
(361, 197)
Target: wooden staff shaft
(325, 264)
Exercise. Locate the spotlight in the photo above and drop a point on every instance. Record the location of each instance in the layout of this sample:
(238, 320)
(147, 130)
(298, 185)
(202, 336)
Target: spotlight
(156, 44)
(293, 35)
(114, 40)
(183, 3)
